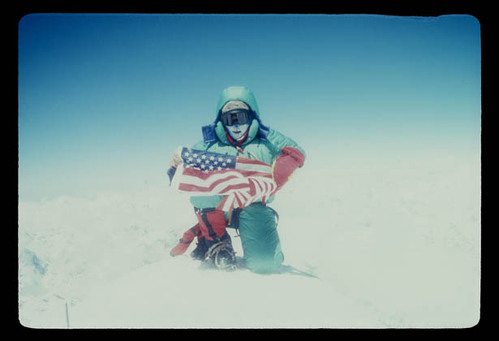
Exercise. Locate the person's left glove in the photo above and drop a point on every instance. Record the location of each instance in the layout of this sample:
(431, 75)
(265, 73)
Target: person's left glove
(285, 165)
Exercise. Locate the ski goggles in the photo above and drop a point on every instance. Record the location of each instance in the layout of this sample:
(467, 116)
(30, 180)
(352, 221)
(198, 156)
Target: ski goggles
(239, 116)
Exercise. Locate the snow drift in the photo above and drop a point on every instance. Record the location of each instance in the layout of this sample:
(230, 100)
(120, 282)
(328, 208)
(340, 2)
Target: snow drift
(395, 242)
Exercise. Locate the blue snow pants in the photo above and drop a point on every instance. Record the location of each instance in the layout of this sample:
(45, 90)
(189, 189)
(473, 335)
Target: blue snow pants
(257, 226)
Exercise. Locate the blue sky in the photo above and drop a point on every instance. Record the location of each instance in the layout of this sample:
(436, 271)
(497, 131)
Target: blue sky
(105, 99)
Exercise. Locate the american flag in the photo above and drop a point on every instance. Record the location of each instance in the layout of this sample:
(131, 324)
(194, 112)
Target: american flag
(241, 180)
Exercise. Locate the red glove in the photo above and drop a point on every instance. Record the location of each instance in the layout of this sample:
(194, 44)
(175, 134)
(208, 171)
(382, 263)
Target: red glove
(285, 165)
(185, 241)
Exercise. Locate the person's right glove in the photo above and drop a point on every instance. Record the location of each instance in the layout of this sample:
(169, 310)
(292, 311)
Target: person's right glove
(176, 159)
(185, 241)
(174, 162)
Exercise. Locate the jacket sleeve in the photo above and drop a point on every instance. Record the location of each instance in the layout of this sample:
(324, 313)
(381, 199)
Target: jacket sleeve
(283, 144)
(201, 145)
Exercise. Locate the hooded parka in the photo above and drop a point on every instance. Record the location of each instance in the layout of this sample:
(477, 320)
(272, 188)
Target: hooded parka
(262, 143)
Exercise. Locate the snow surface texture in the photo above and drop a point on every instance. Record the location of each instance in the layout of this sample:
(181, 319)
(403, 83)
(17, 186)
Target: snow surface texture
(395, 243)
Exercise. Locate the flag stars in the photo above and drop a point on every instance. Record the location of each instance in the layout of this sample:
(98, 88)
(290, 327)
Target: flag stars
(207, 161)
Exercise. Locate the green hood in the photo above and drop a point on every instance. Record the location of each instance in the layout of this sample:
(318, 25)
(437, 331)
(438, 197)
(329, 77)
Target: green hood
(233, 93)
(238, 93)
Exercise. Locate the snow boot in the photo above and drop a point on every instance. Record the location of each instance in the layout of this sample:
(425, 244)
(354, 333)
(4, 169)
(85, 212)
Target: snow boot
(223, 256)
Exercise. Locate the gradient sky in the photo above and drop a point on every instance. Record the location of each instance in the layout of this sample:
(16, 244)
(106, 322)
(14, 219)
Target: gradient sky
(105, 99)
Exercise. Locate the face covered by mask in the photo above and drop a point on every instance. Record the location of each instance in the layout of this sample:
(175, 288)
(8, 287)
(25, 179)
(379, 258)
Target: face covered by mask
(236, 119)
(237, 131)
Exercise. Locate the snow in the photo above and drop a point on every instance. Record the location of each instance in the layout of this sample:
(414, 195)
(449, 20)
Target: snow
(395, 242)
